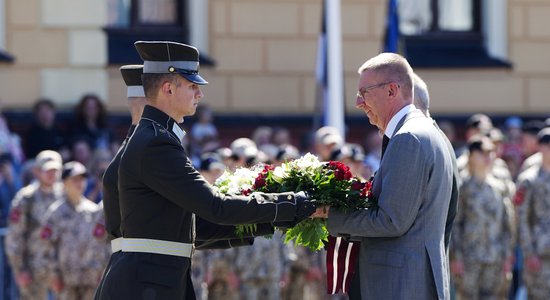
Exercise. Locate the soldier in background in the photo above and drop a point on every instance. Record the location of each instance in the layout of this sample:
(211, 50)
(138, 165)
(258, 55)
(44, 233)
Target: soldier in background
(66, 237)
(533, 202)
(481, 256)
(25, 223)
(260, 268)
(529, 144)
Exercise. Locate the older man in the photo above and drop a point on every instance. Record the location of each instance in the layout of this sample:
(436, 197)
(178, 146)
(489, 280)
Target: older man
(402, 253)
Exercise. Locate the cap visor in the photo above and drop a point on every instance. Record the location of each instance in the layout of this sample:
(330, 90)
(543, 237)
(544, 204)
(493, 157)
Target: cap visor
(194, 78)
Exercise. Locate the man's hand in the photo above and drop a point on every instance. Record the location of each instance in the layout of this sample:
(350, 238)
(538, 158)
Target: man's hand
(24, 279)
(321, 212)
(533, 263)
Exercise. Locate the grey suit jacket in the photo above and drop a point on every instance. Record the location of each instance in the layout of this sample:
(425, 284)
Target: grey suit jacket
(402, 252)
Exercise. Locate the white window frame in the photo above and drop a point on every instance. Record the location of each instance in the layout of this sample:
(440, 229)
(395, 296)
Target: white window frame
(2, 24)
(494, 27)
(198, 24)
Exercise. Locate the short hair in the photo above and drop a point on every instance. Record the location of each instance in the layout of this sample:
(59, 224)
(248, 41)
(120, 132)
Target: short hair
(421, 94)
(393, 67)
(43, 102)
(153, 81)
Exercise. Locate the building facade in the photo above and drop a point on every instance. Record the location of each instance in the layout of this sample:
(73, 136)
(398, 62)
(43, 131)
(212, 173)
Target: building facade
(265, 52)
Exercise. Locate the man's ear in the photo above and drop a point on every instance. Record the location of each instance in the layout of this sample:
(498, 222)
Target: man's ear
(166, 88)
(392, 91)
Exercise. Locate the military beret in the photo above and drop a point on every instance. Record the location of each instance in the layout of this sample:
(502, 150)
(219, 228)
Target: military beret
(544, 136)
(132, 77)
(164, 57)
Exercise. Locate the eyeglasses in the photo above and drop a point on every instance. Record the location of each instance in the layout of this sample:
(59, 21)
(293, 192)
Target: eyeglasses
(361, 93)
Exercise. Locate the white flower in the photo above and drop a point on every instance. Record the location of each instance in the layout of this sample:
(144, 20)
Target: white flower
(234, 183)
(307, 163)
(280, 173)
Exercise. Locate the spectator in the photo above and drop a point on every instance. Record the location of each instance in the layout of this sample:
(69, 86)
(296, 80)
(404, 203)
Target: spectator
(91, 122)
(44, 134)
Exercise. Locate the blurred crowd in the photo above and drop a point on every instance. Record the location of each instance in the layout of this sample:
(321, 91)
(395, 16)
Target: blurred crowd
(54, 243)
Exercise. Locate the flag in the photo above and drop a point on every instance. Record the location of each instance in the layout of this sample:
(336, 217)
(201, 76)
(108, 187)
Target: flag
(341, 260)
(341, 254)
(391, 37)
(329, 71)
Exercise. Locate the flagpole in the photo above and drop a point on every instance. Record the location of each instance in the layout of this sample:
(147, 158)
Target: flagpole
(334, 102)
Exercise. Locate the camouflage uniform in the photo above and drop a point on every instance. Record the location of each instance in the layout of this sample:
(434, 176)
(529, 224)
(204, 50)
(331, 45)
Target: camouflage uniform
(221, 276)
(306, 274)
(483, 237)
(22, 240)
(261, 267)
(533, 202)
(67, 237)
(534, 160)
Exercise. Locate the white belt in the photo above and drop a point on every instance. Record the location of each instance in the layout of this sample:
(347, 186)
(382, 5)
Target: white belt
(116, 245)
(157, 247)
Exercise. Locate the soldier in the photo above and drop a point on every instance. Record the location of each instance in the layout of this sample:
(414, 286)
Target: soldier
(484, 228)
(25, 222)
(533, 202)
(529, 144)
(66, 237)
(160, 191)
(136, 101)
(260, 268)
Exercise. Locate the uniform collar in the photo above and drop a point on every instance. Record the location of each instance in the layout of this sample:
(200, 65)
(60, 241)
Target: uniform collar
(153, 114)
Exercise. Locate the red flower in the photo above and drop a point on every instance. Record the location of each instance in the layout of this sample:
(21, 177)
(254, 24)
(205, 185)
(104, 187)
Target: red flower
(15, 215)
(341, 171)
(259, 182)
(366, 192)
(246, 192)
(357, 185)
(99, 231)
(46, 232)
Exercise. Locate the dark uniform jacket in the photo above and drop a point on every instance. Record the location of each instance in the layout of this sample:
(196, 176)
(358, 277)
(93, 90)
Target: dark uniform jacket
(160, 192)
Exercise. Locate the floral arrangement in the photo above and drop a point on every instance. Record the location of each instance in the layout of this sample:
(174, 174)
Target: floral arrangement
(329, 183)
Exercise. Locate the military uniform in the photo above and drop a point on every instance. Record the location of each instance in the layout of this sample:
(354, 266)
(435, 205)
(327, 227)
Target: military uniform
(483, 237)
(533, 202)
(111, 209)
(260, 268)
(23, 238)
(67, 237)
(160, 192)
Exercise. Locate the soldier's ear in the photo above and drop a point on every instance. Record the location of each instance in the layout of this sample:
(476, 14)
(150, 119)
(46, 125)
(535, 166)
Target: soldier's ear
(166, 88)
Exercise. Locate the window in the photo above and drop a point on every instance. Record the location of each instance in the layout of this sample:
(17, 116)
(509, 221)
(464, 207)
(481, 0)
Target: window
(4, 57)
(453, 33)
(133, 20)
